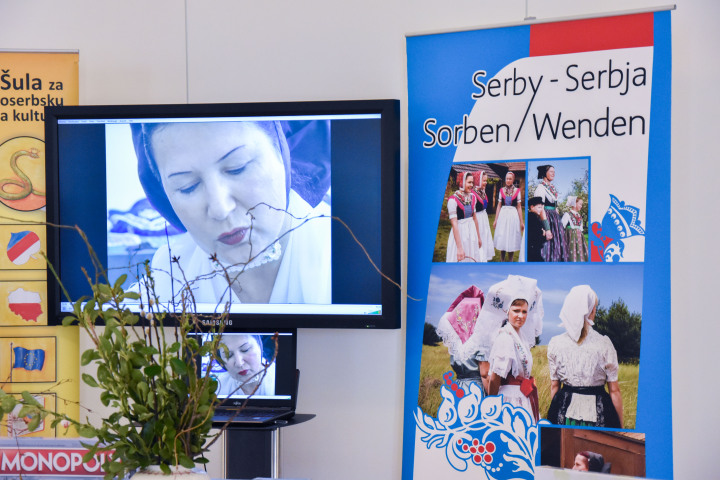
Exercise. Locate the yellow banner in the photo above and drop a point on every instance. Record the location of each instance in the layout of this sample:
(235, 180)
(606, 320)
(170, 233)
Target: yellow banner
(29, 349)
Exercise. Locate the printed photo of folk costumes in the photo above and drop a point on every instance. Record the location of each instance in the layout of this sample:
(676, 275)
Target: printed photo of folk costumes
(581, 363)
(481, 211)
(508, 222)
(459, 333)
(555, 249)
(464, 243)
(510, 322)
(577, 249)
(537, 230)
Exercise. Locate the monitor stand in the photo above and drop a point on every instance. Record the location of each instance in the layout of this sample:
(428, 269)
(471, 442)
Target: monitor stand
(254, 451)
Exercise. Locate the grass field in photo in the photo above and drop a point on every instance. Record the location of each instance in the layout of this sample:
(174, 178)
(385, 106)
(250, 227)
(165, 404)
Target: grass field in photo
(436, 361)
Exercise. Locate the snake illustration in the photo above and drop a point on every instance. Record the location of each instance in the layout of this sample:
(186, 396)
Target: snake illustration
(24, 181)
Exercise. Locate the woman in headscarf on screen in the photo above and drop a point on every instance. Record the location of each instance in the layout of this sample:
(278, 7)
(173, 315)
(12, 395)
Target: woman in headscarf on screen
(248, 371)
(231, 187)
(464, 243)
(581, 363)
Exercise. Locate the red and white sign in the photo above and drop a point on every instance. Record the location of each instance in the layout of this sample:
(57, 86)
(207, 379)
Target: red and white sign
(50, 461)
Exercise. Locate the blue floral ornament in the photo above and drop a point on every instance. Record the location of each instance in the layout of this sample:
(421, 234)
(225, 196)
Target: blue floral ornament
(497, 302)
(482, 432)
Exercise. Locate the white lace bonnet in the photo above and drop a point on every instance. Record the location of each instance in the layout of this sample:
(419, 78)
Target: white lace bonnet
(578, 305)
(498, 300)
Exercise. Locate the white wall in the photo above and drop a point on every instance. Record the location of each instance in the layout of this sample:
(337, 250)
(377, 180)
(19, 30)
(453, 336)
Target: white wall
(134, 51)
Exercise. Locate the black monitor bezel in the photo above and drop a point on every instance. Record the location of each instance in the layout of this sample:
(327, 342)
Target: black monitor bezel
(389, 111)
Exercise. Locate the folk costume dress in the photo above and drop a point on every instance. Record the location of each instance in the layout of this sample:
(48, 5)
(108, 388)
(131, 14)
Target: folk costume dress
(555, 249)
(583, 368)
(507, 230)
(509, 355)
(457, 330)
(481, 205)
(510, 358)
(461, 205)
(577, 250)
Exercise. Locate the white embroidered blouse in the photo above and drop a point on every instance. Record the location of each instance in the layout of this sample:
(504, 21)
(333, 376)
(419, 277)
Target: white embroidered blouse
(592, 363)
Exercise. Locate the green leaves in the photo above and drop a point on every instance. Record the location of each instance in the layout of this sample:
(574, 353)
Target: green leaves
(8, 403)
(145, 373)
(179, 366)
(88, 379)
(88, 356)
(153, 371)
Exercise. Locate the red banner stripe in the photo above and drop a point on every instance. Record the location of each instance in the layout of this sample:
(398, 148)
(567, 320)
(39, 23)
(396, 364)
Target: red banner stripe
(606, 33)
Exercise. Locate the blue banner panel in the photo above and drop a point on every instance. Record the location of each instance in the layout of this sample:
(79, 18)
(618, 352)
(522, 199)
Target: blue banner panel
(538, 267)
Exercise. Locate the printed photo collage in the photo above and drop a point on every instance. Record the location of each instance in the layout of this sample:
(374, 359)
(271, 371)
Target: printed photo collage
(548, 321)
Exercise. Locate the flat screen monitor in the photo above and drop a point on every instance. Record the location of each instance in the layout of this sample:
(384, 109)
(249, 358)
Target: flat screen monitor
(250, 367)
(285, 214)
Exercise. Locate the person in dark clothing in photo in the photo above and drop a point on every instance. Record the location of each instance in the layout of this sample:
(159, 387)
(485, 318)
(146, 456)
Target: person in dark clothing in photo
(538, 230)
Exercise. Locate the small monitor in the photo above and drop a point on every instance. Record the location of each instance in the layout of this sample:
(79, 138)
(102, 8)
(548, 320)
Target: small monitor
(251, 364)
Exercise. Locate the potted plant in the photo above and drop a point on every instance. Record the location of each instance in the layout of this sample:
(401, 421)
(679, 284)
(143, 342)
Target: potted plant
(147, 373)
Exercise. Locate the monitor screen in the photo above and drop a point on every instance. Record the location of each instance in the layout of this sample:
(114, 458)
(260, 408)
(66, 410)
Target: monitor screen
(250, 366)
(282, 214)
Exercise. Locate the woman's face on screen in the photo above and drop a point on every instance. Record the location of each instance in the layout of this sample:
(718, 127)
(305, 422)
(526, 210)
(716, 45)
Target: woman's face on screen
(243, 359)
(213, 174)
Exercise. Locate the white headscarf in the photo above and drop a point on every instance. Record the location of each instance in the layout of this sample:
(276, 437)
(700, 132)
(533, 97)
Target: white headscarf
(578, 305)
(497, 305)
(571, 201)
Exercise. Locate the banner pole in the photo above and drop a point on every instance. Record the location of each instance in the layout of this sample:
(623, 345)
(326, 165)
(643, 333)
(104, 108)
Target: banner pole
(533, 21)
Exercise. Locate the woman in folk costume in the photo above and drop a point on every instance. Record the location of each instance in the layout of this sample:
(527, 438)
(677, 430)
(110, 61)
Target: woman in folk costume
(583, 361)
(511, 320)
(508, 222)
(577, 250)
(457, 329)
(464, 243)
(555, 249)
(481, 206)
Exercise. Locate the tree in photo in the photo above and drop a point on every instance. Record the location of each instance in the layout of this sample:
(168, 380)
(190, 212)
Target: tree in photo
(623, 329)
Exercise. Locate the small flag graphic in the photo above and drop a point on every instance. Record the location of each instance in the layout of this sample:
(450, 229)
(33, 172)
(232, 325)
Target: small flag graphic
(22, 246)
(29, 359)
(25, 303)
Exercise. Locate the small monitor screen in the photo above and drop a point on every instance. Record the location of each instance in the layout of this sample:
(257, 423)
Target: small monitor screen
(252, 364)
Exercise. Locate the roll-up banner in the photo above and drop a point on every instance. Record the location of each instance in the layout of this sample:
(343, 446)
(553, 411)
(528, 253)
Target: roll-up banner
(29, 349)
(538, 336)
